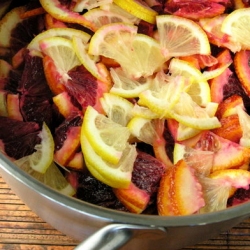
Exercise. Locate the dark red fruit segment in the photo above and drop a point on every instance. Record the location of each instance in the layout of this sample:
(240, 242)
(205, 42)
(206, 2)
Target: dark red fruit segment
(147, 172)
(36, 97)
(194, 9)
(18, 138)
(82, 86)
(93, 191)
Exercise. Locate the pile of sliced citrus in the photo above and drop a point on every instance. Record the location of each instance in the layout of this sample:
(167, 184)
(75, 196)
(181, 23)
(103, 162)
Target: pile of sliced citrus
(139, 78)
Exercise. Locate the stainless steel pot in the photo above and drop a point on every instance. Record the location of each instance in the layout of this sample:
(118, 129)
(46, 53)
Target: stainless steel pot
(113, 229)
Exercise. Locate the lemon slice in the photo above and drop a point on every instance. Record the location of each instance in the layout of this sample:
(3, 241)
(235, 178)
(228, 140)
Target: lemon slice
(159, 98)
(125, 86)
(193, 39)
(187, 112)
(59, 12)
(42, 158)
(98, 70)
(115, 175)
(236, 24)
(118, 109)
(68, 33)
(244, 120)
(53, 177)
(199, 89)
(100, 17)
(112, 7)
(61, 50)
(139, 55)
(108, 138)
(143, 129)
(143, 112)
(138, 8)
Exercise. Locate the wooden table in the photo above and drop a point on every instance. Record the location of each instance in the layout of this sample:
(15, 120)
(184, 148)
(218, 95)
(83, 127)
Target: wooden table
(21, 229)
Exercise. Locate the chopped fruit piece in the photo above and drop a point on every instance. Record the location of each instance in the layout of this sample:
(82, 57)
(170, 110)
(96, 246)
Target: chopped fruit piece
(102, 17)
(3, 103)
(61, 50)
(125, 86)
(241, 64)
(53, 177)
(159, 97)
(109, 139)
(244, 120)
(138, 8)
(229, 106)
(67, 138)
(236, 25)
(194, 9)
(77, 162)
(139, 55)
(69, 147)
(187, 112)
(133, 198)
(171, 28)
(64, 104)
(220, 184)
(227, 154)
(117, 108)
(180, 192)
(160, 144)
(33, 12)
(42, 158)
(142, 129)
(5, 69)
(212, 27)
(82, 5)
(58, 11)
(98, 70)
(8, 23)
(199, 89)
(116, 176)
(230, 128)
(13, 108)
(65, 32)
(143, 112)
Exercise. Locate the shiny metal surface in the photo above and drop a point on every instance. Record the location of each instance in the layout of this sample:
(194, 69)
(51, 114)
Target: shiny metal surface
(79, 219)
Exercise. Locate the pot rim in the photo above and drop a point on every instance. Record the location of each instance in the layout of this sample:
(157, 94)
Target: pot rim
(92, 210)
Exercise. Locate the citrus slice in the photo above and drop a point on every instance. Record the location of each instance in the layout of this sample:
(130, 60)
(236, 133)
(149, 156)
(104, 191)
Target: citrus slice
(42, 158)
(138, 8)
(244, 120)
(61, 13)
(61, 51)
(100, 17)
(118, 109)
(68, 33)
(193, 39)
(143, 112)
(107, 138)
(139, 55)
(115, 175)
(189, 113)
(159, 98)
(236, 24)
(98, 70)
(199, 89)
(125, 86)
(8, 23)
(53, 177)
(89, 4)
(143, 129)
(112, 7)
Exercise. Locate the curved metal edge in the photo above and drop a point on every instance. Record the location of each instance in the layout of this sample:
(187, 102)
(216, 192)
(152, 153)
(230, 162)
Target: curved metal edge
(113, 236)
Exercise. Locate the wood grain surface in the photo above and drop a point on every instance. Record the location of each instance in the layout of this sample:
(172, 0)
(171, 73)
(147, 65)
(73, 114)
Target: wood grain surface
(21, 229)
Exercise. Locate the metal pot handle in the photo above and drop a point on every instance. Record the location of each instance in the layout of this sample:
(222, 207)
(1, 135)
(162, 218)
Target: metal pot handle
(112, 237)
